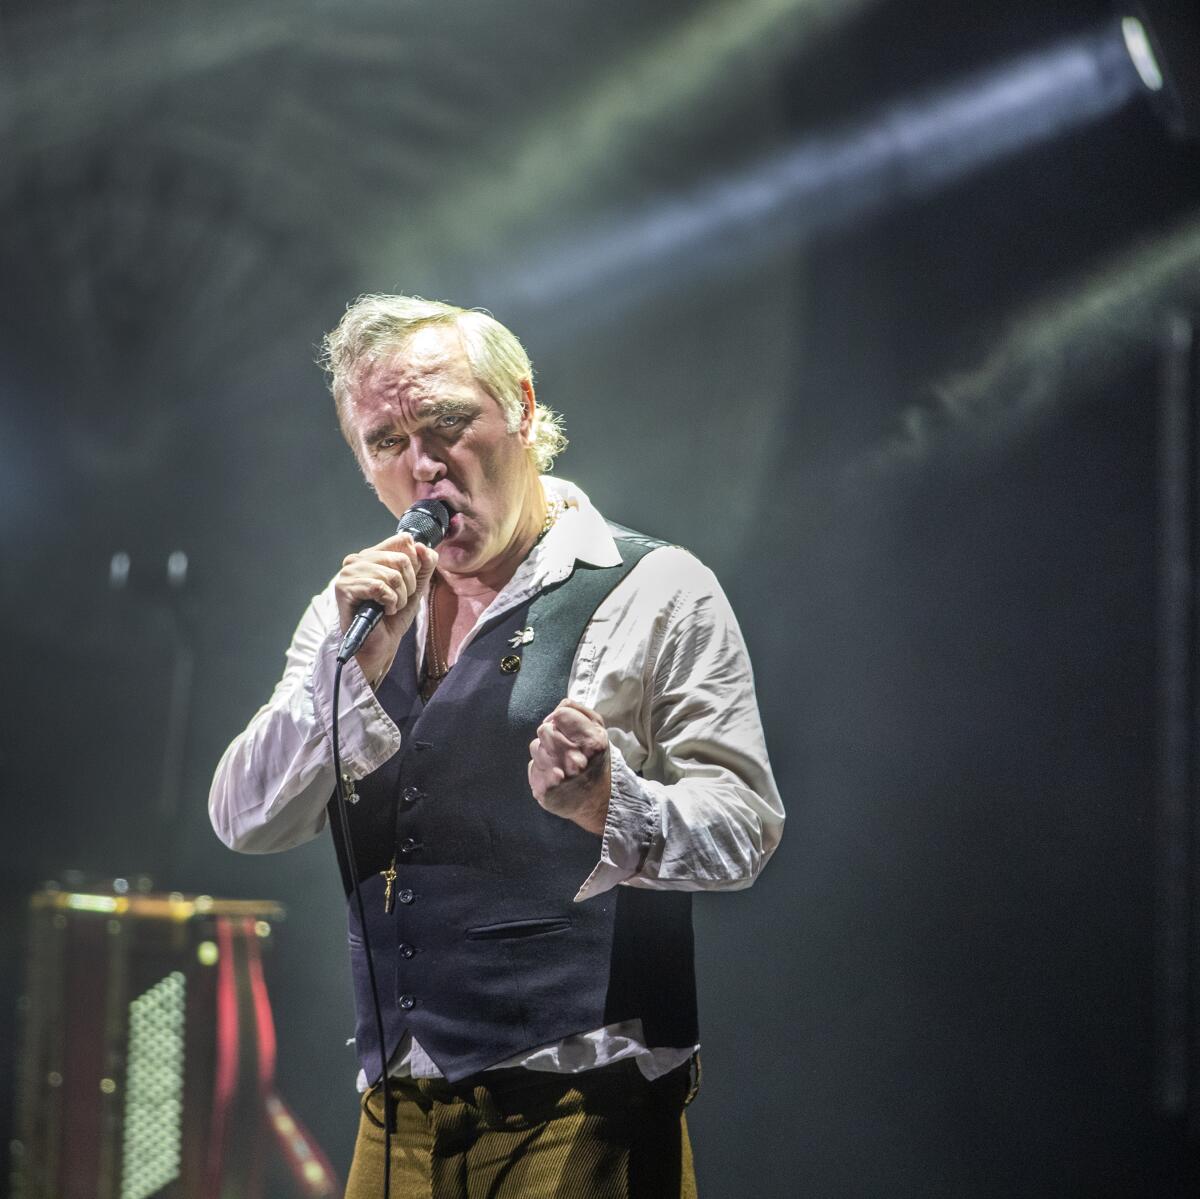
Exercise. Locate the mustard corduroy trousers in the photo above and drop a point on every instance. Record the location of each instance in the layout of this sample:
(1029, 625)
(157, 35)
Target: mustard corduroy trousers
(524, 1134)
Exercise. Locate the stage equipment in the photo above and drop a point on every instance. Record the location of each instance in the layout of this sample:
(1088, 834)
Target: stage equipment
(1177, 922)
(1163, 39)
(148, 1052)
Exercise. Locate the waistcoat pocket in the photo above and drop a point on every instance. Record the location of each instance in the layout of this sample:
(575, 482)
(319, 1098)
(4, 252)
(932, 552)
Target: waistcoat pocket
(509, 929)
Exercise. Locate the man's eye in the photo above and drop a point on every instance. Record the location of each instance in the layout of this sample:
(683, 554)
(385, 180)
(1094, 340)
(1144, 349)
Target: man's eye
(389, 443)
(449, 421)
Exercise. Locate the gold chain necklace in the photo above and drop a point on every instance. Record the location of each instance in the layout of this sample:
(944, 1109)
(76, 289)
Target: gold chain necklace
(436, 667)
(554, 509)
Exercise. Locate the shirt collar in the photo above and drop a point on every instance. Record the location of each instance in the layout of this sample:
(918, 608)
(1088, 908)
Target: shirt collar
(580, 534)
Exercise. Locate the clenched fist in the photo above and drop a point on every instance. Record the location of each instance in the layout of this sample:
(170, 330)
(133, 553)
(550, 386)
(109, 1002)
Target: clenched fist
(569, 770)
(395, 574)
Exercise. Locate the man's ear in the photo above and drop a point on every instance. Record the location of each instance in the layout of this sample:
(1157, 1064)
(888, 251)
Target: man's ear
(526, 425)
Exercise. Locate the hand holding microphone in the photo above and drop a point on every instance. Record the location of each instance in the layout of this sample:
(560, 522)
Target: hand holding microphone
(383, 584)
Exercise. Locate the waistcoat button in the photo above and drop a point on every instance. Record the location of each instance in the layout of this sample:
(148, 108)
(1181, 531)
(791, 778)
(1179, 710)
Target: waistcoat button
(411, 794)
(405, 896)
(407, 1002)
(408, 845)
(406, 950)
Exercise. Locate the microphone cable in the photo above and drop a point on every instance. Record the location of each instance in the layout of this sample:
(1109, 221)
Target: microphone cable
(340, 786)
(428, 522)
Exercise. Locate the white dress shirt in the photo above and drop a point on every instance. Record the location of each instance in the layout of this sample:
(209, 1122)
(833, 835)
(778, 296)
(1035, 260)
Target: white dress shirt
(693, 805)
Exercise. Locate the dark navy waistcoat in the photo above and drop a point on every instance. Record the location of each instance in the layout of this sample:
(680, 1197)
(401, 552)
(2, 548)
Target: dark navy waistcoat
(485, 954)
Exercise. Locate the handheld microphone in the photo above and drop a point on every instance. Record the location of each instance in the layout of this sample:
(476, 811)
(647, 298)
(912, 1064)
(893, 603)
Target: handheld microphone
(427, 521)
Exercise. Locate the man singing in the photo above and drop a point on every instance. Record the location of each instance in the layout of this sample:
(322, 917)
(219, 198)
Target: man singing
(549, 740)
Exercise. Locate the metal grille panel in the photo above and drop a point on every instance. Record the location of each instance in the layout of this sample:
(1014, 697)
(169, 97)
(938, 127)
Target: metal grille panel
(154, 1093)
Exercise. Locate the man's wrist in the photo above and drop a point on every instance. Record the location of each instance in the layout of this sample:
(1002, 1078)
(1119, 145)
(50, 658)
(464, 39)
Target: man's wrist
(593, 813)
(368, 735)
(583, 800)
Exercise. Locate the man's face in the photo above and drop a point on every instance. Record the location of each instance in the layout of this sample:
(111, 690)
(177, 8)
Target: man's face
(424, 428)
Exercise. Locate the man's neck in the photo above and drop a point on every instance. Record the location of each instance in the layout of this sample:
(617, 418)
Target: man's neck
(487, 582)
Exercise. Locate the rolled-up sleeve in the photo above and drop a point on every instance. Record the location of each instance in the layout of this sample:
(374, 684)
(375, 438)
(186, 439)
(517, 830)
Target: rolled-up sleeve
(693, 803)
(272, 784)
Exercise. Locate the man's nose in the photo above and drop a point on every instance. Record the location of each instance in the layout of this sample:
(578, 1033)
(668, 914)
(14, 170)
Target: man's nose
(427, 467)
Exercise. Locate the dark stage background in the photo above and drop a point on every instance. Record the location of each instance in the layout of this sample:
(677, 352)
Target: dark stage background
(861, 301)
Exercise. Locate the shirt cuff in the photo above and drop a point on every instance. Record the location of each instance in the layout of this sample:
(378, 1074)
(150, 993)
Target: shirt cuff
(629, 829)
(367, 735)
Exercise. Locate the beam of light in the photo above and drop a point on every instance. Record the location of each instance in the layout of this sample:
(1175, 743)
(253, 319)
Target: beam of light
(136, 62)
(907, 151)
(691, 70)
(136, 55)
(1057, 354)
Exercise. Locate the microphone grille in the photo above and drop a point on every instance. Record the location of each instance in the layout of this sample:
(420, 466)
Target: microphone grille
(427, 521)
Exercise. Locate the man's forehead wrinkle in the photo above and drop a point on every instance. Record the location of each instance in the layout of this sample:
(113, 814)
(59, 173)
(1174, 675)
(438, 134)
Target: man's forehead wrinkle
(439, 354)
(401, 388)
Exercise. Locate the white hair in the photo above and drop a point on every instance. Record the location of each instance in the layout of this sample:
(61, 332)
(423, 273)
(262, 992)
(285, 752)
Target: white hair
(376, 323)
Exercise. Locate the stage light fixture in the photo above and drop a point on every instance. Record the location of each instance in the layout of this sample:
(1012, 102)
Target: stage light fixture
(1138, 44)
(1163, 40)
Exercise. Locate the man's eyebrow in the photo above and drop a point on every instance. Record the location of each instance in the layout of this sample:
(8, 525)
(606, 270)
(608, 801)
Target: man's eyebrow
(430, 411)
(377, 434)
(447, 407)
